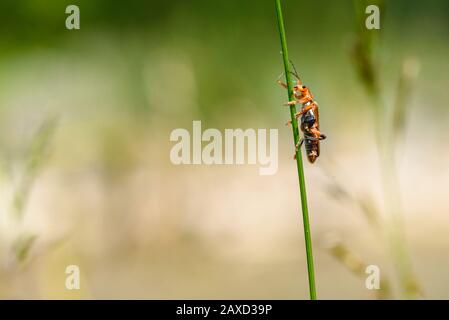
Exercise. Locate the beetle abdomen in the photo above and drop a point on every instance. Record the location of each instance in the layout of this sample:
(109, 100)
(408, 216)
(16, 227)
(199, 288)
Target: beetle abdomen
(312, 146)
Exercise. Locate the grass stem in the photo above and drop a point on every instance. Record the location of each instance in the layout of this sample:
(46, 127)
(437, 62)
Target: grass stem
(299, 163)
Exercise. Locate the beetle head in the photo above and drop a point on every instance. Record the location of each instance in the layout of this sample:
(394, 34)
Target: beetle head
(300, 88)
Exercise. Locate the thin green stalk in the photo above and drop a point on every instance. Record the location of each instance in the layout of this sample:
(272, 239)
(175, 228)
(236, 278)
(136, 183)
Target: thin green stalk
(302, 184)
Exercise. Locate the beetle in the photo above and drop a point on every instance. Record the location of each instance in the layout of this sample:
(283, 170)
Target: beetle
(310, 119)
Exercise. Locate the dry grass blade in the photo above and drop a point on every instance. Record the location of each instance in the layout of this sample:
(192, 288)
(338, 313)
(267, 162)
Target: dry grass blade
(356, 265)
(35, 158)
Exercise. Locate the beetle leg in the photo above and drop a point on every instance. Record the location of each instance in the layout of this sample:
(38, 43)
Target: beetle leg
(322, 137)
(282, 84)
(291, 103)
(318, 134)
(303, 110)
(298, 146)
(300, 113)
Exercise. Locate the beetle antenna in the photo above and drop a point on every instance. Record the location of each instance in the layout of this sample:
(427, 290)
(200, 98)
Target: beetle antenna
(296, 72)
(280, 76)
(293, 65)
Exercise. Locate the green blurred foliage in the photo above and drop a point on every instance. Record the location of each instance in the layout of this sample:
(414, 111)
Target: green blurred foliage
(232, 45)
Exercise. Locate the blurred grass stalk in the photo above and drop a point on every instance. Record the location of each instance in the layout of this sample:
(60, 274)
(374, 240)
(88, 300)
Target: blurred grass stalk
(299, 163)
(389, 128)
(356, 265)
(35, 157)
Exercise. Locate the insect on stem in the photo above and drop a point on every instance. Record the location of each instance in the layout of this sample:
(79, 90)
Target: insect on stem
(299, 163)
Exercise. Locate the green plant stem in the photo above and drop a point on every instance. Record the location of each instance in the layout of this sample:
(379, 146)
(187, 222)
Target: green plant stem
(296, 137)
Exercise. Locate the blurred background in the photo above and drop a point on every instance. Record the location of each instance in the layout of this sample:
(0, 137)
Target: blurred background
(85, 174)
